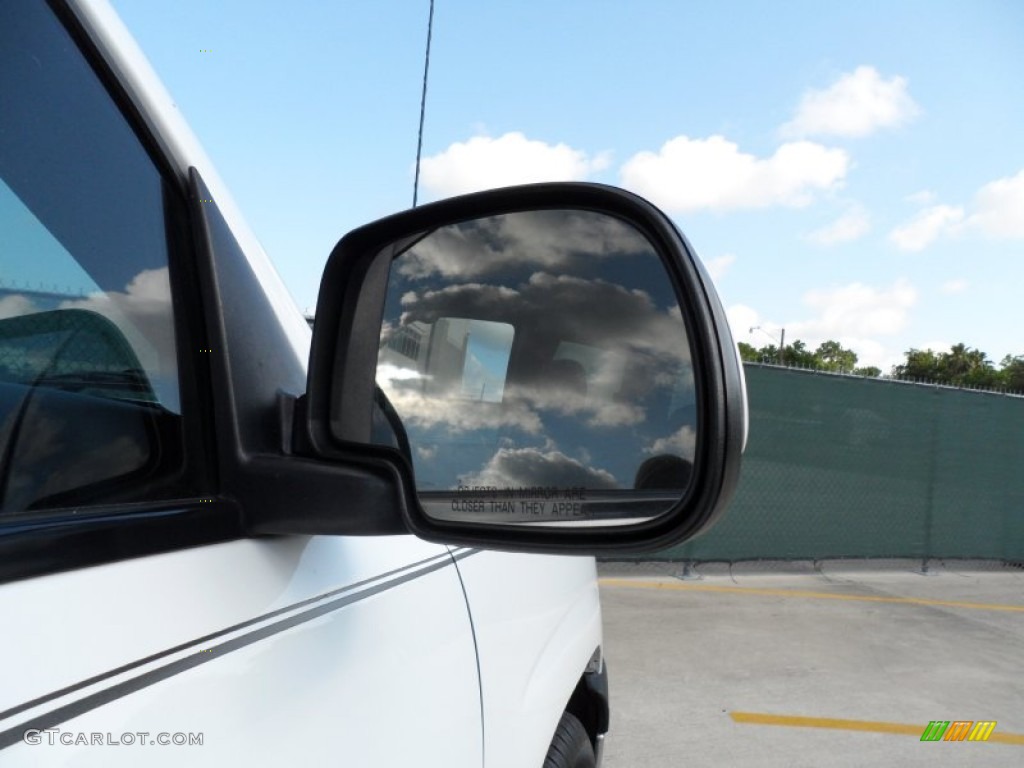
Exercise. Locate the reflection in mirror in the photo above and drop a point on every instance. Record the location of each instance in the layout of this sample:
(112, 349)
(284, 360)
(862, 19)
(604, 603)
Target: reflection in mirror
(541, 369)
(453, 357)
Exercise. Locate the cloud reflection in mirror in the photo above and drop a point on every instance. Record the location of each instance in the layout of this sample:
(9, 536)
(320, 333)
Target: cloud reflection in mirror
(542, 348)
(549, 240)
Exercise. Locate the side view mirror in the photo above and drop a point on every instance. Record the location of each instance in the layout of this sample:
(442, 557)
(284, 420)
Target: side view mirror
(540, 368)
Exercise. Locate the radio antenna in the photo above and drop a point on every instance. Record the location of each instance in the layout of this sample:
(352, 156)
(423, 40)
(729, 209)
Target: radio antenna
(423, 106)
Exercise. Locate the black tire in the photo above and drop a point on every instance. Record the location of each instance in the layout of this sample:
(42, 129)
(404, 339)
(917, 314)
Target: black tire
(570, 747)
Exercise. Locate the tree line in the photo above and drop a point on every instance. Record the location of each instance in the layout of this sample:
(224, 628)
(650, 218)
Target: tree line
(961, 366)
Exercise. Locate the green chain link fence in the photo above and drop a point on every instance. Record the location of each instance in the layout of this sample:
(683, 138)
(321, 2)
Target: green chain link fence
(847, 467)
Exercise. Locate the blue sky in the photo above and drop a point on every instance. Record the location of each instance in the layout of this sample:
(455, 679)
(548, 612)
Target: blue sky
(849, 171)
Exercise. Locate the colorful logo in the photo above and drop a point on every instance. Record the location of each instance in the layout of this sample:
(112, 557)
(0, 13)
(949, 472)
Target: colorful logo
(958, 730)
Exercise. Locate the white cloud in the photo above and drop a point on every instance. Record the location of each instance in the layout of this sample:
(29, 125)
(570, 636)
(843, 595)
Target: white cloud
(390, 373)
(873, 352)
(532, 467)
(719, 266)
(689, 174)
(927, 226)
(951, 287)
(142, 312)
(458, 416)
(16, 305)
(856, 310)
(860, 317)
(857, 315)
(635, 334)
(851, 225)
(741, 319)
(558, 241)
(628, 322)
(483, 162)
(857, 104)
(999, 208)
(934, 346)
(997, 212)
(683, 443)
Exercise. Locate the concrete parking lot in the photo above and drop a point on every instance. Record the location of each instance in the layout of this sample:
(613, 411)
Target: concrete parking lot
(827, 664)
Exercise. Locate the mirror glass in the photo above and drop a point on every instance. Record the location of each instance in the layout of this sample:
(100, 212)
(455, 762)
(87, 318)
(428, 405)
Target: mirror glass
(540, 369)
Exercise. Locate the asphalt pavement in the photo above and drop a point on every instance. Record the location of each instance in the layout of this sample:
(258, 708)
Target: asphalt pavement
(812, 664)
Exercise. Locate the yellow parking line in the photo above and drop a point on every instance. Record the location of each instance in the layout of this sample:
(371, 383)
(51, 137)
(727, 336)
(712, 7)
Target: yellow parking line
(872, 726)
(668, 585)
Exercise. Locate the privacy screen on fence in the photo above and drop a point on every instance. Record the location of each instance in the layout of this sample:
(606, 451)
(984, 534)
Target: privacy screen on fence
(841, 466)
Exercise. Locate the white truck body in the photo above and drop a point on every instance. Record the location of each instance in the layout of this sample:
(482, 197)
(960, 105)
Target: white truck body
(297, 650)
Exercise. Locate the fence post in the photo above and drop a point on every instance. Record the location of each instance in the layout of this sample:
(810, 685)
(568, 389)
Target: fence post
(688, 572)
(929, 510)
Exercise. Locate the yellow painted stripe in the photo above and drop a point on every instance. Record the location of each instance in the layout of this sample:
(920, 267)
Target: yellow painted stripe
(674, 586)
(871, 726)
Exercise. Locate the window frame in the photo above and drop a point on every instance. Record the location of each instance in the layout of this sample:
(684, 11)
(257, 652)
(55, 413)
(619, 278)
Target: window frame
(48, 541)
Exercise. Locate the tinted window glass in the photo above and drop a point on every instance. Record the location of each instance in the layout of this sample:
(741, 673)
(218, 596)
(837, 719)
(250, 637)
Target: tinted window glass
(536, 357)
(89, 401)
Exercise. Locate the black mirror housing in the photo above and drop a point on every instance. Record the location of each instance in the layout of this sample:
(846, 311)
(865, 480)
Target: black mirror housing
(347, 418)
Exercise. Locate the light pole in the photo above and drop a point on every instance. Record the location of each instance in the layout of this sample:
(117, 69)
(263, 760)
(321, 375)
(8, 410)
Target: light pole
(781, 342)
